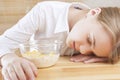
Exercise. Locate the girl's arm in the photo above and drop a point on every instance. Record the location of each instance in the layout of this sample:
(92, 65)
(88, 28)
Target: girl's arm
(14, 67)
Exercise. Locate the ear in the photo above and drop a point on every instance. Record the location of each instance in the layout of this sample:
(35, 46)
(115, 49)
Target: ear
(94, 12)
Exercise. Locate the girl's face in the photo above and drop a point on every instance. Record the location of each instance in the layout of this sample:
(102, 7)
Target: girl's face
(90, 37)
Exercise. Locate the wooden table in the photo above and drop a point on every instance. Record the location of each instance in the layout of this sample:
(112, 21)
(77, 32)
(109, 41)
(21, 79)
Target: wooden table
(66, 70)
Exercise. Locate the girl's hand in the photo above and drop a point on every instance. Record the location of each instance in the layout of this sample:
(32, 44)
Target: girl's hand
(17, 68)
(87, 58)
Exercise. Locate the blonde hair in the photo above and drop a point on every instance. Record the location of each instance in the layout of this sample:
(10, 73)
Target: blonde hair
(110, 19)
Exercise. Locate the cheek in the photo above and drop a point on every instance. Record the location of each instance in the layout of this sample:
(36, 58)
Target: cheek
(101, 55)
(75, 33)
(78, 36)
(102, 50)
(73, 36)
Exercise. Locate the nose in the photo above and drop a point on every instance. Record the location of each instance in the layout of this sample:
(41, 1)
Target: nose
(85, 49)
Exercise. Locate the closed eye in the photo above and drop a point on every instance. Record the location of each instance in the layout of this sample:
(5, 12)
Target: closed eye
(89, 40)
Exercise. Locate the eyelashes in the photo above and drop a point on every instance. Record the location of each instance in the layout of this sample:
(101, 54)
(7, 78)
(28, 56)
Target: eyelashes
(90, 40)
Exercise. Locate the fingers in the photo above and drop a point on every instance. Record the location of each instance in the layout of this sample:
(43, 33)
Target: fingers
(5, 74)
(97, 59)
(80, 58)
(87, 58)
(28, 71)
(12, 73)
(19, 69)
(19, 72)
(34, 69)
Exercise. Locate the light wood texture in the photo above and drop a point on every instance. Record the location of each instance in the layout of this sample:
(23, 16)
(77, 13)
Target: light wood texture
(13, 10)
(66, 70)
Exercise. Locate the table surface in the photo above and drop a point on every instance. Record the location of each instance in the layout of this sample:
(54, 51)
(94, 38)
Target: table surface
(66, 70)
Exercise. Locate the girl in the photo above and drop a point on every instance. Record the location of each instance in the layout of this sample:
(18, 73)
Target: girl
(92, 32)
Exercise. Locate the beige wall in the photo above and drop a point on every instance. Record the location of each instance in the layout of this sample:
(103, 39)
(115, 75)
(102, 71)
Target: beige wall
(12, 10)
(104, 3)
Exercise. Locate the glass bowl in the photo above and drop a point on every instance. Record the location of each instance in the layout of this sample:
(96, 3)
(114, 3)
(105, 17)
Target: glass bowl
(42, 53)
